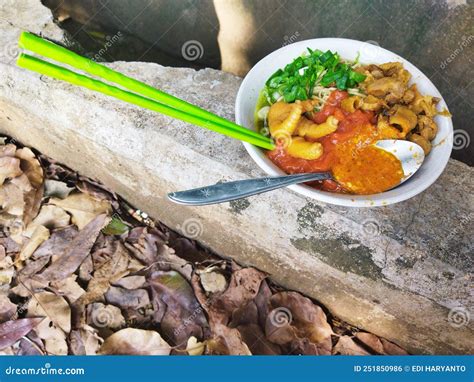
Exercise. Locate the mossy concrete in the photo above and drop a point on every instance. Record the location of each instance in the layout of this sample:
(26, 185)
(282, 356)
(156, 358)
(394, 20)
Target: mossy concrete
(403, 271)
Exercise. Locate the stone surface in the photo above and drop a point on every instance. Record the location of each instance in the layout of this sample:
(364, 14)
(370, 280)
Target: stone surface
(402, 272)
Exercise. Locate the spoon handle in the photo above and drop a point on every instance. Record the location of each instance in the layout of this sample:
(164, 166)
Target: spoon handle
(225, 192)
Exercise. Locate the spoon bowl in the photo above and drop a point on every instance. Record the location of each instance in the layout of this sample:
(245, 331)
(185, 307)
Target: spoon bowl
(409, 154)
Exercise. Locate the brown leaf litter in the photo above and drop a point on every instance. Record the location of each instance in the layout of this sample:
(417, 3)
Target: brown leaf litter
(83, 273)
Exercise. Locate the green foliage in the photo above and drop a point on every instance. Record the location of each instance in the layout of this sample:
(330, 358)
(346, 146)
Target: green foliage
(298, 79)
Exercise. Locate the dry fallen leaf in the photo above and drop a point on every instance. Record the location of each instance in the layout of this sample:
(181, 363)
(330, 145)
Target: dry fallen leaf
(30, 345)
(12, 200)
(76, 251)
(255, 339)
(30, 166)
(243, 287)
(131, 282)
(177, 309)
(85, 341)
(167, 260)
(23, 183)
(146, 244)
(57, 315)
(135, 342)
(92, 342)
(55, 308)
(21, 189)
(110, 262)
(51, 217)
(392, 349)
(56, 188)
(298, 324)
(57, 243)
(7, 309)
(371, 341)
(6, 150)
(226, 341)
(127, 299)
(68, 288)
(95, 189)
(82, 207)
(194, 347)
(12, 331)
(56, 345)
(9, 168)
(40, 234)
(34, 172)
(7, 270)
(346, 346)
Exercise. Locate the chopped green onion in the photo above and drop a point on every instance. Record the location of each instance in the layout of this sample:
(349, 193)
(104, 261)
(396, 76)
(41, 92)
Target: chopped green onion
(298, 79)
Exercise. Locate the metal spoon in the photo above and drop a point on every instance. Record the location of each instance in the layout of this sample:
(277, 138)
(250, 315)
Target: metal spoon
(410, 155)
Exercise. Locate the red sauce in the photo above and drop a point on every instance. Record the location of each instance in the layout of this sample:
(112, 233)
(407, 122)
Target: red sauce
(357, 127)
(332, 105)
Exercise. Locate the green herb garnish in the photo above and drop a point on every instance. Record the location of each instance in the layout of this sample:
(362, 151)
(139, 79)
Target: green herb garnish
(298, 79)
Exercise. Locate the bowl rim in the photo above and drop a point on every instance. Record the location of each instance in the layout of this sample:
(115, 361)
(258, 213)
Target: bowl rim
(347, 200)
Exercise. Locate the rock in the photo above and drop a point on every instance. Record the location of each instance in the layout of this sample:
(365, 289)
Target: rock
(400, 272)
(213, 282)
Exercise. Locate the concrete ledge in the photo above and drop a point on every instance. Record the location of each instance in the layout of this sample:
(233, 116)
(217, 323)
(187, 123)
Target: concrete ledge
(402, 272)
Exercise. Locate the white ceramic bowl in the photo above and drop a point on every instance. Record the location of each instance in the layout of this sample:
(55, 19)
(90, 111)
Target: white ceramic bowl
(433, 165)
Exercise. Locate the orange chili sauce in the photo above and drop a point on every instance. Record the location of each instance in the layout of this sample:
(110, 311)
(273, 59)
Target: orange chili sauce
(358, 167)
